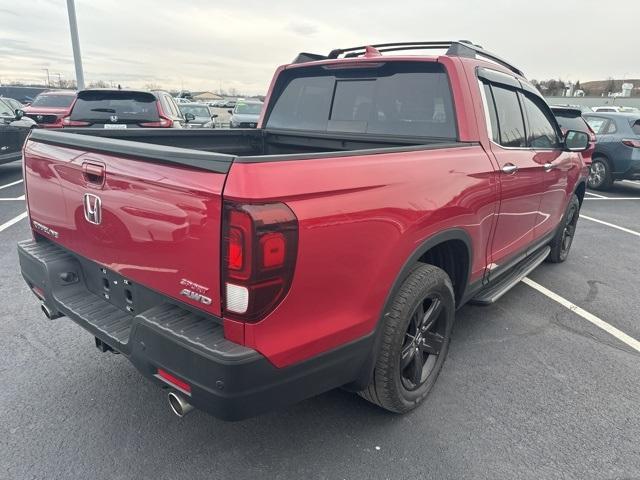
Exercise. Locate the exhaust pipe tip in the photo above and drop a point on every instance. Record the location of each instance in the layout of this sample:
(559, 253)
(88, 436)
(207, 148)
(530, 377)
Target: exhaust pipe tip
(50, 314)
(179, 405)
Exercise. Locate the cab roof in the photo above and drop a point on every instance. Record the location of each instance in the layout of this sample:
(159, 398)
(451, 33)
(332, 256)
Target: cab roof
(454, 48)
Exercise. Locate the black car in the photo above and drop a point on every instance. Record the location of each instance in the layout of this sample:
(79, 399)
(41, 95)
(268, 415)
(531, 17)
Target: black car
(14, 128)
(118, 109)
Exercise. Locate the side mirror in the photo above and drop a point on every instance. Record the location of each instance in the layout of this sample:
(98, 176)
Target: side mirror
(189, 116)
(230, 111)
(575, 141)
(19, 114)
(214, 116)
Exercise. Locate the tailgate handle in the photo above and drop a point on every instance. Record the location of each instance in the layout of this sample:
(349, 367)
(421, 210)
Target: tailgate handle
(93, 173)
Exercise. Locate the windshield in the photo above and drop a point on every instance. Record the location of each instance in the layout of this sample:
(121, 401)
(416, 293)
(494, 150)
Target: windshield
(55, 101)
(248, 108)
(5, 110)
(197, 110)
(98, 106)
(395, 98)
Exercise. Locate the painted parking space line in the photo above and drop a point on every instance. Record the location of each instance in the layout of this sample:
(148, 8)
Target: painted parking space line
(617, 227)
(614, 198)
(590, 317)
(596, 195)
(8, 223)
(21, 197)
(10, 184)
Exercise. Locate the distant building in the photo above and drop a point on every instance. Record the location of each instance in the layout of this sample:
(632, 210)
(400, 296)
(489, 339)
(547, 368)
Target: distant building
(627, 88)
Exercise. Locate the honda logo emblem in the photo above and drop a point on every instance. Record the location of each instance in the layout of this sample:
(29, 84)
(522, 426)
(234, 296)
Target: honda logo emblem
(113, 118)
(92, 208)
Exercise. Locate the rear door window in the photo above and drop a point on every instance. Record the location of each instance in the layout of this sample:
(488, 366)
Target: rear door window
(597, 124)
(394, 98)
(99, 106)
(510, 119)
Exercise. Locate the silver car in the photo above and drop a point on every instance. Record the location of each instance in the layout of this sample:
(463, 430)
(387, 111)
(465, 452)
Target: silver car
(245, 114)
(198, 115)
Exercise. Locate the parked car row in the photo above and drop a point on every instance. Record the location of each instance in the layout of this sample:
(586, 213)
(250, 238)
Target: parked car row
(14, 128)
(123, 108)
(614, 142)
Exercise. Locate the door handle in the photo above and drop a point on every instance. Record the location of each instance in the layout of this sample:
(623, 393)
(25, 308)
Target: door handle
(93, 173)
(509, 168)
(548, 166)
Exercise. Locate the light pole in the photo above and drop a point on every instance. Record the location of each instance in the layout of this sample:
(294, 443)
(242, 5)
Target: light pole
(75, 43)
(48, 80)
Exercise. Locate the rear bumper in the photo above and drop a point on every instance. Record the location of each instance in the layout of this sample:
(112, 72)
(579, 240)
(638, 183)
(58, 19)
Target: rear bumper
(228, 380)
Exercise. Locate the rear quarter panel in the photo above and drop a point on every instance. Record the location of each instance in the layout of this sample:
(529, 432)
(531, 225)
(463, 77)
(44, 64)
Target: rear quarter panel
(360, 219)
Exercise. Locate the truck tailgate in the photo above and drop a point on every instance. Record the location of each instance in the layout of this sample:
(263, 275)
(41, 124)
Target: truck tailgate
(154, 223)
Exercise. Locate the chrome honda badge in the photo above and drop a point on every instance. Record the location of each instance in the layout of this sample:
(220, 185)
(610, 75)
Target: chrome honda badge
(92, 208)
(113, 118)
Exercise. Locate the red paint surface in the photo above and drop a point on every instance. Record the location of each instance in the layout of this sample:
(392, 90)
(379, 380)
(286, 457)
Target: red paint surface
(360, 218)
(160, 223)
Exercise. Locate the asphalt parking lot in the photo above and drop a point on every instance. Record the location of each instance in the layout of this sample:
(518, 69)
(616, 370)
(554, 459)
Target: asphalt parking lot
(531, 389)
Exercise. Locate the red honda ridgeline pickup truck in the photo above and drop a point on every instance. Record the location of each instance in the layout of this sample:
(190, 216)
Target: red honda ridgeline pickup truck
(244, 270)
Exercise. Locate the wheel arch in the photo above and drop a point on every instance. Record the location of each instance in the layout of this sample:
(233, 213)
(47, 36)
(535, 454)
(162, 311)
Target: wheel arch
(456, 238)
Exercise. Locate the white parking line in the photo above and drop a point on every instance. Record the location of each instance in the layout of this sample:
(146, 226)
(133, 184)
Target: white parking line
(590, 317)
(632, 232)
(10, 184)
(614, 198)
(7, 224)
(597, 195)
(21, 197)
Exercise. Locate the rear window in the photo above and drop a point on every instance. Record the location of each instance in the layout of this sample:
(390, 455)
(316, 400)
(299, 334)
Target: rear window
(52, 101)
(572, 122)
(636, 127)
(197, 110)
(97, 106)
(394, 98)
(248, 108)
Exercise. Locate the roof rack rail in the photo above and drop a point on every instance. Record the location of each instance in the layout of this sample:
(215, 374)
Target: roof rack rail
(455, 48)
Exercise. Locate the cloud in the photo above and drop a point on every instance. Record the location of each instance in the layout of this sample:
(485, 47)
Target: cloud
(203, 45)
(302, 28)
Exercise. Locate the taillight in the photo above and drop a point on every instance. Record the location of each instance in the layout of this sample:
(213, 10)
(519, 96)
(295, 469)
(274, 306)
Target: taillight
(629, 142)
(164, 121)
(67, 122)
(260, 245)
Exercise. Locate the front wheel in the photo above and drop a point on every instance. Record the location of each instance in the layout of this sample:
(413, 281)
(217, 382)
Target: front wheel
(416, 334)
(563, 239)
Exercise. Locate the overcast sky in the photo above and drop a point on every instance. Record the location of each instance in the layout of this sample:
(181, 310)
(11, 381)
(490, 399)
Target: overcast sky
(208, 44)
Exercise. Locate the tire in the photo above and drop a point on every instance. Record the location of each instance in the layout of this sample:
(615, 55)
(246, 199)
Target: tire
(563, 239)
(600, 177)
(427, 290)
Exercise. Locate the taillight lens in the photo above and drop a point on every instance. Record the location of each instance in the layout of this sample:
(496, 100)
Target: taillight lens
(260, 245)
(164, 121)
(67, 122)
(630, 142)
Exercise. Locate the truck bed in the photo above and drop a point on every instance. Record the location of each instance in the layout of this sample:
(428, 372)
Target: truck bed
(216, 149)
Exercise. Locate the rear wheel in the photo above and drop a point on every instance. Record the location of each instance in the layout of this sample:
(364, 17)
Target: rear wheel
(563, 239)
(600, 177)
(416, 334)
